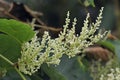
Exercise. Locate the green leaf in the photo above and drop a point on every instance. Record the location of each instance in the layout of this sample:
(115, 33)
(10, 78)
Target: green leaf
(72, 70)
(107, 44)
(52, 73)
(9, 48)
(20, 31)
(116, 43)
(12, 34)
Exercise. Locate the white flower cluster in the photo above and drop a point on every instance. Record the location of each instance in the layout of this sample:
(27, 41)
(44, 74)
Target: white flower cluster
(50, 51)
(113, 75)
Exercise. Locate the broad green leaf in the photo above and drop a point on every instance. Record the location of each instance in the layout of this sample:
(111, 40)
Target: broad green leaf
(52, 73)
(12, 34)
(9, 48)
(72, 70)
(20, 31)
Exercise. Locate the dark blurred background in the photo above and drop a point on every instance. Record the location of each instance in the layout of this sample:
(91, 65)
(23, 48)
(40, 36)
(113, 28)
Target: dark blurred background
(54, 12)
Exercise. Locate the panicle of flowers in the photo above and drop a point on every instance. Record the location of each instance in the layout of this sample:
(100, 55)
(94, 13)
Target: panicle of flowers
(47, 50)
(114, 74)
(32, 56)
(74, 44)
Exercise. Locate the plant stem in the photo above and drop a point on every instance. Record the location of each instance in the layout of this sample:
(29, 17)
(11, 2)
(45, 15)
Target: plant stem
(7, 60)
(11, 63)
(21, 75)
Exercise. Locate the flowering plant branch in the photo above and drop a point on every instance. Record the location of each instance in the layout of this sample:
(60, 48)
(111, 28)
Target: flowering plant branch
(35, 53)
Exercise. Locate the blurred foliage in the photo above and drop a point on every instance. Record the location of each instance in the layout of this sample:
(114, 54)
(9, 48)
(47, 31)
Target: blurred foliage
(116, 44)
(72, 69)
(54, 11)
